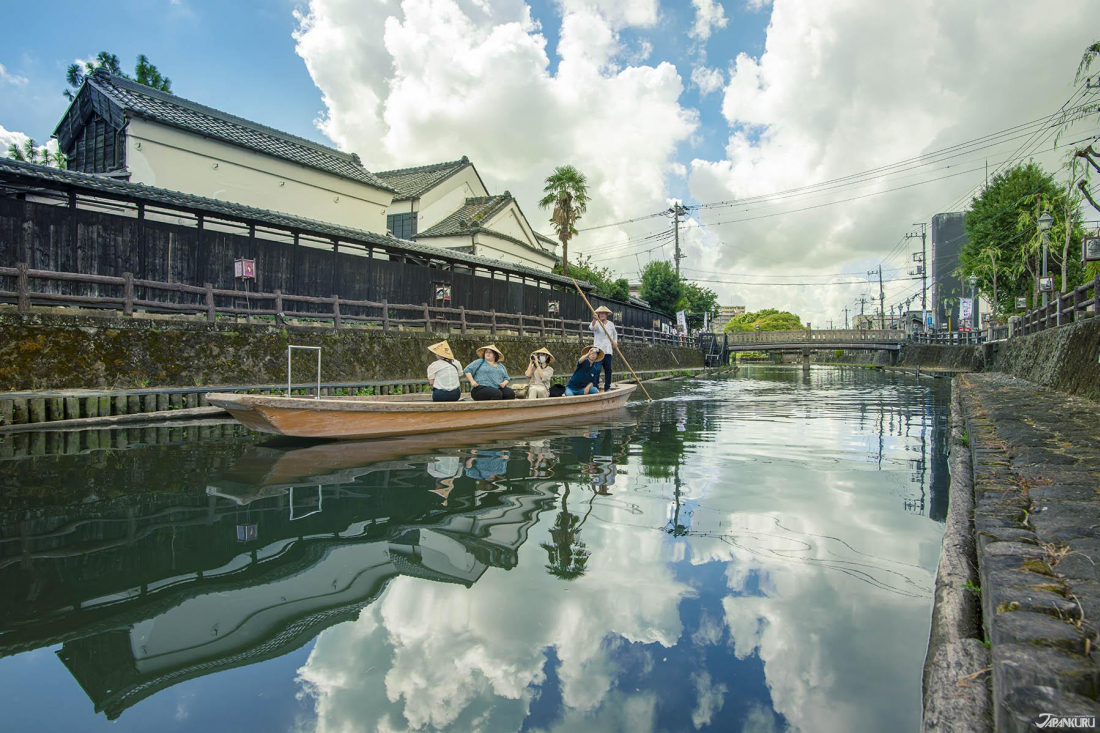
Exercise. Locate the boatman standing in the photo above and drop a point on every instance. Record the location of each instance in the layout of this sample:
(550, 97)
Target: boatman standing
(606, 342)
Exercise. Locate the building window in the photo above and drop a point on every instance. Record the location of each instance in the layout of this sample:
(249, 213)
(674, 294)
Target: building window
(402, 226)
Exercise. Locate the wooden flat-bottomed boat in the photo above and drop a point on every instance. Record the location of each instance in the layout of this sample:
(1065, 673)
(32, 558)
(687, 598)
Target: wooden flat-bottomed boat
(391, 415)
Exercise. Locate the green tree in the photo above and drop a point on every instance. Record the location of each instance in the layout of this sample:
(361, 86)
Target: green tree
(144, 73)
(567, 198)
(1003, 238)
(662, 287)
(31, 152)
(768, 319)
(602, 278)
(698, 301)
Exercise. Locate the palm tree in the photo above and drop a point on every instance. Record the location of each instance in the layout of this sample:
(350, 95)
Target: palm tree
(567, 195)
(567, 554)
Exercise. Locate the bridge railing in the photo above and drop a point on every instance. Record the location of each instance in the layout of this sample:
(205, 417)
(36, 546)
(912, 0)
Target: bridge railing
(810, 337)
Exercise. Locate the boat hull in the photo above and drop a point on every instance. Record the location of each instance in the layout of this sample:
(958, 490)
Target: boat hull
(358, 418)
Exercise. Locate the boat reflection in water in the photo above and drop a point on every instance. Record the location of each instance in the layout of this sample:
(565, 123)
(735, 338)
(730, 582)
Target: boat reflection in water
(289, 541)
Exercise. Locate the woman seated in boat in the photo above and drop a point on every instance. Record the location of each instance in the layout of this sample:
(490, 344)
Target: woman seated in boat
(487, 376)
(539, 373)
(443, 374)
(587, 374)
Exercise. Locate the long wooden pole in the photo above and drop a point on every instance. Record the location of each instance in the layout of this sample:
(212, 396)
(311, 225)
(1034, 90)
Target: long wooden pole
(614, 345)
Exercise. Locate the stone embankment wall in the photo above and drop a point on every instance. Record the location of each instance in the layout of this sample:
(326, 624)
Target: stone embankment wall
(50, 352)
(950, 358)
(1066, 359)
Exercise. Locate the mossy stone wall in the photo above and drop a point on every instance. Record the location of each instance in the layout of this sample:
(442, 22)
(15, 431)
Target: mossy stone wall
(46, 351)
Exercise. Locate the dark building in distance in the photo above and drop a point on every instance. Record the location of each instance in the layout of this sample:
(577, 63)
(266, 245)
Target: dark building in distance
(948, 239)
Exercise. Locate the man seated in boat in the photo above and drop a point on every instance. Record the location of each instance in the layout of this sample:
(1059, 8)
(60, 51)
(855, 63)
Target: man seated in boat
(487, 376)
(539, 373)
(443, 374)
(587, 374)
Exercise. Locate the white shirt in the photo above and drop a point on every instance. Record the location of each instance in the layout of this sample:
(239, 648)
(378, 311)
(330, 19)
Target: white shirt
(445, 373)
(601, 340)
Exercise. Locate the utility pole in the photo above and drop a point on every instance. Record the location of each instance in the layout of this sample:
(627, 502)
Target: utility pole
(923, 271)
(881, 299)
(845, 318)
(677, 211)
(862, 301)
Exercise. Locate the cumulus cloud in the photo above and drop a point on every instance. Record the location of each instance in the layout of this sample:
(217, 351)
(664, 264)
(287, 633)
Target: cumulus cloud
(708, 80)
(846, 86)
(6, 77)
(431, 80)
(9, 137)
(709, 16)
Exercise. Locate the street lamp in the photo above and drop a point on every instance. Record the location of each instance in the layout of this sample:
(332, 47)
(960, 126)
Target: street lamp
(973, 280)
(1046, 221)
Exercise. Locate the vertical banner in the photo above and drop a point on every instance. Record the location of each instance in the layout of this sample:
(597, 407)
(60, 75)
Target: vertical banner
(966, 310)
(681, 322)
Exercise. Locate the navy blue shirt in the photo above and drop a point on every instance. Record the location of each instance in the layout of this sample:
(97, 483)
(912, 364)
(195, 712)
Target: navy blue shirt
(585, 374)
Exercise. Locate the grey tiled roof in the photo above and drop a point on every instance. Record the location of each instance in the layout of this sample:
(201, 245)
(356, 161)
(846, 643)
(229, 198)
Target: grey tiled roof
(168, 109)
(412, 183)
(468, 218)
(42, 178)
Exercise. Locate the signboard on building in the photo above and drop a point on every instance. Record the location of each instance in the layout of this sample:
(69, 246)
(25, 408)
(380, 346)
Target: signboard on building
(553, 307)
(1046, 284)
(1090, 249)
(1021, 302)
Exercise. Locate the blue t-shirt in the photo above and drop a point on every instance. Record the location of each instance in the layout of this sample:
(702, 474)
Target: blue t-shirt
(586, 373)
(486, 374)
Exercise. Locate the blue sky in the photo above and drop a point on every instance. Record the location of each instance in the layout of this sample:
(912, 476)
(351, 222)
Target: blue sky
(239, 57)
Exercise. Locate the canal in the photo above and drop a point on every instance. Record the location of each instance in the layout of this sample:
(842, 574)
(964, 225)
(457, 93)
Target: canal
(754, 553)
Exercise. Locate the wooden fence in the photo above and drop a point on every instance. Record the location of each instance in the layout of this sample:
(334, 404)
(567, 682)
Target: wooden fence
(135, 293)
(1062, 308)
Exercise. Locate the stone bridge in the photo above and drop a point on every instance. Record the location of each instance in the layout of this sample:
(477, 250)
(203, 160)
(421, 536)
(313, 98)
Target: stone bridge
(840, 338)
(719, 348)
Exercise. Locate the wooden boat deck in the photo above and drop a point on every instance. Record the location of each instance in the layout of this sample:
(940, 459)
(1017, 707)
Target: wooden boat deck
(390, 415)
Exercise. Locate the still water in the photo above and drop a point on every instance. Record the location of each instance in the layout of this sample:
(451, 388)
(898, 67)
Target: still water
(746, 554)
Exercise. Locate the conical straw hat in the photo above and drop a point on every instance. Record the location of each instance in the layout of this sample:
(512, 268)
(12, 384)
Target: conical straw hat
(442, 349)
(490, 347)
(604, 309)
(589, 348)
(544, 350)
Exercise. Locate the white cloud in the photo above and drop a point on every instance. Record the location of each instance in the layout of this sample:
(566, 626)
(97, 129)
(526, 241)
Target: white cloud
(708, 80)
(6, 77)
(429, 80)
(8, 137)
(709, 16)
(757, 4)
(710, 696)
(847, 86)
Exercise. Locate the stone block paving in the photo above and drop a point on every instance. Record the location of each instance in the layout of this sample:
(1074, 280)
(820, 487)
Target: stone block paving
(1036, 458)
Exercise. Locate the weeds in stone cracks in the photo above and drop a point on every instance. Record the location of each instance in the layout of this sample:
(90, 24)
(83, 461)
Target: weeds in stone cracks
(965, 439)
(962, 681)
(970, 586)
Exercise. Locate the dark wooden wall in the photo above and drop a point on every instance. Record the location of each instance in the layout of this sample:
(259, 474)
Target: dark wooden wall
(41, 235)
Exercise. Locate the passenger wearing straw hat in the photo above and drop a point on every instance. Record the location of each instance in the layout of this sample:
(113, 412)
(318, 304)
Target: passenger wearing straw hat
(539, 373)
(444, 373)
(487, 376)
(606, 341)
(586, 376)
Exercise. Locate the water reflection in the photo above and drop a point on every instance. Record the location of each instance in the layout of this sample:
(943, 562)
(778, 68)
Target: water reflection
(748, 554)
